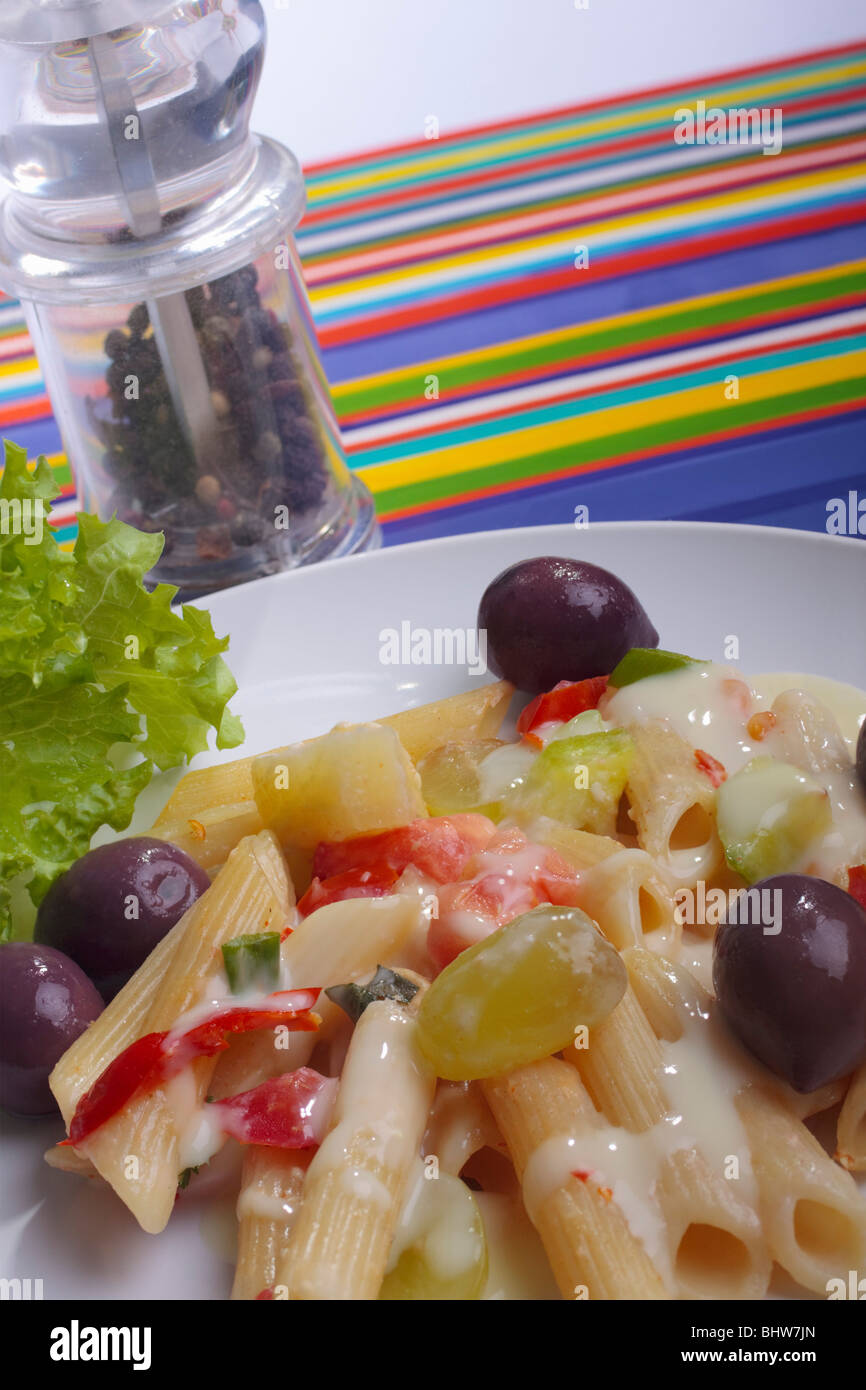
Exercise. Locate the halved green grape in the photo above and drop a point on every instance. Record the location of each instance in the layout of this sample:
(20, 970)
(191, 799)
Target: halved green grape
(589, 721)
(519, 994)
(768, 814)
(450, 780)
(445, 1254)
(578, 781)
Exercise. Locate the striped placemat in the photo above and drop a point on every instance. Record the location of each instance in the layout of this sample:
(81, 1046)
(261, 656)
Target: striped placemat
(576, 296)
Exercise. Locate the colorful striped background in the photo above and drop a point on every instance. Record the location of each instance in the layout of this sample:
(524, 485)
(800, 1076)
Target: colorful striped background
(483, 378)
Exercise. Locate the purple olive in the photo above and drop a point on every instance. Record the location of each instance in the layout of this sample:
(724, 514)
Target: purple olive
(796, 996)
(551, 619)
(116, 903)
(46, 1002)
(861, 756)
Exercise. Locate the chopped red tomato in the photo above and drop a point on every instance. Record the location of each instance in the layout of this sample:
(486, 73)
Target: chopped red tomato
(857, 883)
(354, 883)
(439, 846)
(705, 762)
(565, 701)
(285, 1112)
(509, 877)
(156, 1057)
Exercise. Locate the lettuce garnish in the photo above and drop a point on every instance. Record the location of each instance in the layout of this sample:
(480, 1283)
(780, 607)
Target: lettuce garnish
(95, 672)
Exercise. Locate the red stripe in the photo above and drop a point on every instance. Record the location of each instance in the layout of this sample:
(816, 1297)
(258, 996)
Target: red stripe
(530, 287)
(572, 364)
(596, 389)
(697, 441)
(327, 268)
(25, 410)
(596, 104)
(478, 179)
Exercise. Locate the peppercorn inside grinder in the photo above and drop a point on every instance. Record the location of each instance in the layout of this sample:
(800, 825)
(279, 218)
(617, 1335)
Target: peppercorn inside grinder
(149, 236)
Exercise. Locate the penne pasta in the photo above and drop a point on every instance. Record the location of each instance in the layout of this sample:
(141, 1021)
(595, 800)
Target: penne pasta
(806, 733)
(715, 1248)
(851, 1127)
(813, 1214)
(272, 1182)
(210, 836)
(628, 899)
(137, 1151)
(473, 714)
(672, 803)
(358, 1178)
(545, 1115)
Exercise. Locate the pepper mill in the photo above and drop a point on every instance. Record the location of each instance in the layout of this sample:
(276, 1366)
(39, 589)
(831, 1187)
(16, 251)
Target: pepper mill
(149, 236)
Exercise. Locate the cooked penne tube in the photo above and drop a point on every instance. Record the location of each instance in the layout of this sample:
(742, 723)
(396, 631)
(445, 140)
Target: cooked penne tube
(473, 714)
(549, 1122)
(137, 1150)
(272, 1183)
(813, 1217)
(715, 1248)
(813, 1214)
(579, 848)
(119, 1024)
(672, 803)
(68, 1161)
(358, 1178)
(627, 897)
(807, 735)
(210, 837)
(851, 1127)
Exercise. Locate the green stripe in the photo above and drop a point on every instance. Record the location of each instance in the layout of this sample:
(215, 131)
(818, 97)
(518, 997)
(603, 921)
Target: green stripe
(681, 95)
(572, 199)
(384, 393)
(580, 148)
(595, 451)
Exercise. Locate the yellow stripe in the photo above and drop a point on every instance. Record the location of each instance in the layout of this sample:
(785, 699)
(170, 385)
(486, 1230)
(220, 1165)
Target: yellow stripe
(18, 365)
(637, 318)
(487, 255)
(486, 453)
(582, 129)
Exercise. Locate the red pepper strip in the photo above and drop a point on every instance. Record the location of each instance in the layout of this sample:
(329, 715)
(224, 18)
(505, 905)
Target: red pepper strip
(857, 883)
(265, 1293)
(151, 1060)
(354, 883)
(284, 1112)
(705, 762)
(565, 701)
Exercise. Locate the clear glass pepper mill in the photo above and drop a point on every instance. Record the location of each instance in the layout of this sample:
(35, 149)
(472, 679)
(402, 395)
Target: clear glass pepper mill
(148, 234)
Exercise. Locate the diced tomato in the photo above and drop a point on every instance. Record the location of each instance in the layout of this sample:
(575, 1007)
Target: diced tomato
(705, 762)
(285, 1112)
(857, 883)
(354, 883)
(509, 877)
(565, 701)
(439, 846)
(156, 1057)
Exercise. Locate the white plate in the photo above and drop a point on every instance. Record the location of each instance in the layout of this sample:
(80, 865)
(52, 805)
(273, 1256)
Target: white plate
(306, 653)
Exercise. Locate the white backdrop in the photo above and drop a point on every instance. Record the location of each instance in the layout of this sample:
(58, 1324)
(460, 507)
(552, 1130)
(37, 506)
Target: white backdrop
(345, 75)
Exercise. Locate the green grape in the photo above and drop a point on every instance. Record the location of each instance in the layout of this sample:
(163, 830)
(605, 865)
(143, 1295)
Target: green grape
(577, 780)
(446, 1255)
(519, 994)
(450, 777)
(768, 814)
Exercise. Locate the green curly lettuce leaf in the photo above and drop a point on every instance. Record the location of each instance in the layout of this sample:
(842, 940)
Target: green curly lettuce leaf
(96, 673)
